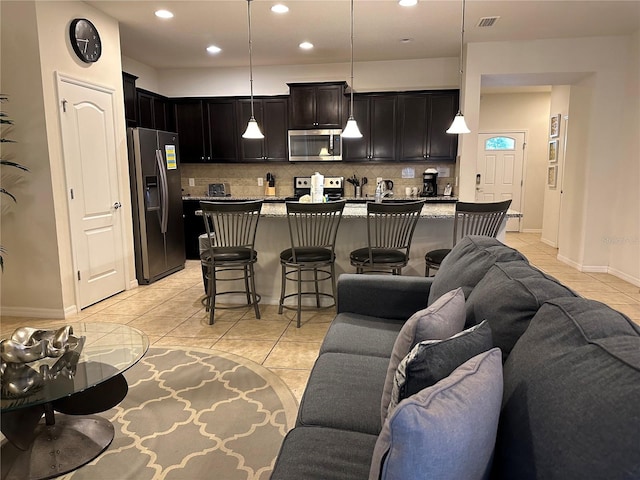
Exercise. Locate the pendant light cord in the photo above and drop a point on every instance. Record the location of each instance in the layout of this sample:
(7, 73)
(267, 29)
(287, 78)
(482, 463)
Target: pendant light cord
(461, 43)
(351, 110)
(250, 59)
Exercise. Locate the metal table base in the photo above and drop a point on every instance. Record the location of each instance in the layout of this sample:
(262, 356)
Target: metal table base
(72, 441)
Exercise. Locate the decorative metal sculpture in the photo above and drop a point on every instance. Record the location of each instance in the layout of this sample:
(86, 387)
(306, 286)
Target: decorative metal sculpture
(30, 344)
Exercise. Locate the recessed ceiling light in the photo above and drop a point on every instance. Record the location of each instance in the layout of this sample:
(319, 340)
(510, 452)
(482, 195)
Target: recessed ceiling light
(407, 3)
(164, 14)
(212, 49)
(279, 8)
(306, 45)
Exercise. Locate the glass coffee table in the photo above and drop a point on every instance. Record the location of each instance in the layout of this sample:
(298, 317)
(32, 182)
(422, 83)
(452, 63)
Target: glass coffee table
(50, 425)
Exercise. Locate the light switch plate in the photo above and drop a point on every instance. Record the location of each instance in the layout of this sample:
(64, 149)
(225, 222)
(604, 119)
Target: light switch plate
(444, 171)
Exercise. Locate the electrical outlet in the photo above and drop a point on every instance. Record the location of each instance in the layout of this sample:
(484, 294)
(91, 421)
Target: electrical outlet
(260, 181)
(192, 182)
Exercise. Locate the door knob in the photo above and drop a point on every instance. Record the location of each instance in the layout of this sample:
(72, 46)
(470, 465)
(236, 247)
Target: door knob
(117, 205)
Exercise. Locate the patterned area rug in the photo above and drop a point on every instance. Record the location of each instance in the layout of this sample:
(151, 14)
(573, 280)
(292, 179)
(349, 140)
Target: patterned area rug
(195, 414)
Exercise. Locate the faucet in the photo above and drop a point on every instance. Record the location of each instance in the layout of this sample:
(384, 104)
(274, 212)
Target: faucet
(382, 191)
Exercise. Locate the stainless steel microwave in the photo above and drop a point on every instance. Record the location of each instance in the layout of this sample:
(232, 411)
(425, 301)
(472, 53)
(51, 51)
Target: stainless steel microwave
(315, 145)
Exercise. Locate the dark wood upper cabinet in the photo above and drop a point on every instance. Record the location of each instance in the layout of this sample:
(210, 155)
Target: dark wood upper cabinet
(223, 135)
(130, 99)
(271, 115)
(376, 118)
(442, 146)
(316, 105)
(154, 111)
(423, 118)
(193, 131)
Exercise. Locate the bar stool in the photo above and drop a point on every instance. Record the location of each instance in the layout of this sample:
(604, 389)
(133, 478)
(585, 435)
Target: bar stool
(231, 231)
(312, 229)
(470, 219)
(390, 228)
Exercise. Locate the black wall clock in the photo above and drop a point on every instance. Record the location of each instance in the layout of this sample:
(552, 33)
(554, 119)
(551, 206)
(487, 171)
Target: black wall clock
(85, 40)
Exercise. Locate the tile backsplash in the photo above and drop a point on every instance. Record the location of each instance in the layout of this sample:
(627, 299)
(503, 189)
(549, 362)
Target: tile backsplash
(243, 178)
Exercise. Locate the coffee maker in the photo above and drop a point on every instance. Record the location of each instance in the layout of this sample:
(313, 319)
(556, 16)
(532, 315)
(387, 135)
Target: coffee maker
(430, 183)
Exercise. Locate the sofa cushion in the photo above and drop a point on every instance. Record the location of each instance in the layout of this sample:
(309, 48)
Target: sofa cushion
(444, 318)
(319, 453)
(446, 431)
(468, 262)
(361, 335)
(509, 296)
(344, 392)
(432, 360)
(572, 385)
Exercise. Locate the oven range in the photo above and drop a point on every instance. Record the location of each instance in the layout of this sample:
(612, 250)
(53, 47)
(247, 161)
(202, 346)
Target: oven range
(333, 187)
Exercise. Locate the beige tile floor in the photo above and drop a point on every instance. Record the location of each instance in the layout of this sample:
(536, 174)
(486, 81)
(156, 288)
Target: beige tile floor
(170, 312)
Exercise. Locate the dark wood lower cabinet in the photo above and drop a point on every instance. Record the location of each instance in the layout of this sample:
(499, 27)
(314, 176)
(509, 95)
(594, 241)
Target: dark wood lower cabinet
(193, 228)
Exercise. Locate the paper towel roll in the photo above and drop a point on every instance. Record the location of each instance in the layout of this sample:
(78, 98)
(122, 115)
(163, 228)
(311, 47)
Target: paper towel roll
(317, 188)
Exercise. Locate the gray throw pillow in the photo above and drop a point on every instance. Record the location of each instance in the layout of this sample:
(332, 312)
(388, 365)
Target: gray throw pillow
(446, 431)
(444, 318)
(432, 360)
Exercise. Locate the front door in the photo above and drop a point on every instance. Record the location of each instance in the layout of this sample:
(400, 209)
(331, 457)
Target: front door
(89, 147)
(499, 171)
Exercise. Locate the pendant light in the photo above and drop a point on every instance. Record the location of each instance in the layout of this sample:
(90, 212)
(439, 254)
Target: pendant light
(253, 130)
(459, 125)
(351, 130)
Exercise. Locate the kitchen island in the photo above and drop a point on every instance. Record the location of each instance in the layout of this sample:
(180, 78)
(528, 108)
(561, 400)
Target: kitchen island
(434, 230)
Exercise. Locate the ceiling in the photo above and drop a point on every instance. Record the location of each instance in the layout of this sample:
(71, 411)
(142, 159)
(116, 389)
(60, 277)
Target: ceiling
(433, 27)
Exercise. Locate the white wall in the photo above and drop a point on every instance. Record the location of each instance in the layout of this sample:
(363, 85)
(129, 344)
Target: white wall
(552, 196)
(41, 281)
(609, 61)
(624, 237)
(438, 73)
(31, 276)
(527, 112)
(147, 76)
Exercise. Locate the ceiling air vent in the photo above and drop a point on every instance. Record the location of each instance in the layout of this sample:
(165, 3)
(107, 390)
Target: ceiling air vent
(487, 21)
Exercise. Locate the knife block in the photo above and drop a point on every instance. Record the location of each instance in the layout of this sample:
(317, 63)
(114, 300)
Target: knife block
(270, 191)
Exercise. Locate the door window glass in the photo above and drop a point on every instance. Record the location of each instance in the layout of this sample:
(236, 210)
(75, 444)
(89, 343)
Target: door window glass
(500, 143)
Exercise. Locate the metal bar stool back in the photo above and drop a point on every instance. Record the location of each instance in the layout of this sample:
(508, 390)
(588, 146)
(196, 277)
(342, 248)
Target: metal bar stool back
(313, 228)
(231, 231)
(390, 228)
(470, 219)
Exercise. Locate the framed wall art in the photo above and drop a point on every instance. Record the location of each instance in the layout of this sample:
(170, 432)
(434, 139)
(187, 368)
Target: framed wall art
(554, 125)
(553, 151)
(552, 176)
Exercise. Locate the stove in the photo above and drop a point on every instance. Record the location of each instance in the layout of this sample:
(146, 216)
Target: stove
(333, 187)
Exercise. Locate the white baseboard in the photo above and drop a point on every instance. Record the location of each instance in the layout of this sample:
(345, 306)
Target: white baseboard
(569, 262)
(625, 276)
(531, 230)
(600, 269)
(37, 312)
(549, 242)
(133, 284)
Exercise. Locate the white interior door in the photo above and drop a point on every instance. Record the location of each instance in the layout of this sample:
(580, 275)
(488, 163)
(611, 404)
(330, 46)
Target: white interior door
(89, 146)
(499, 170)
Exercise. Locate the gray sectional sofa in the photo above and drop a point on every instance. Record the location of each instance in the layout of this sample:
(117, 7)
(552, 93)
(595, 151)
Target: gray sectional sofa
(560, 399)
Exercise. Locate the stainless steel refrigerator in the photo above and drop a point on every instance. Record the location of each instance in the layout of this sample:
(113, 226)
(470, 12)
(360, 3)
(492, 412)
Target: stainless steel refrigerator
(156, 202)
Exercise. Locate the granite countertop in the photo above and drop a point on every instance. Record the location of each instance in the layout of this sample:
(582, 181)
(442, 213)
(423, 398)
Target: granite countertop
(438, 199)
(359, 210)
